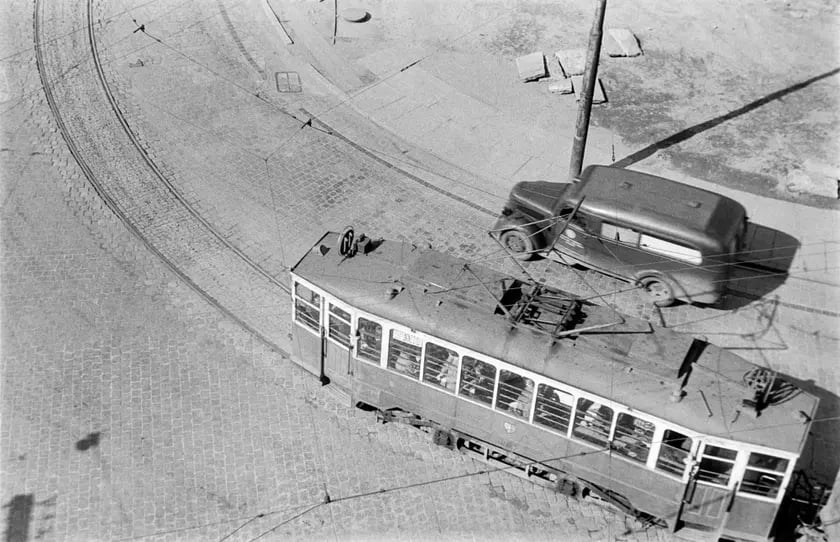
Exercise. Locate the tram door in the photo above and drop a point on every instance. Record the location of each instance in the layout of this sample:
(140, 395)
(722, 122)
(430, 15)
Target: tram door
(710, 489)
(336, 346)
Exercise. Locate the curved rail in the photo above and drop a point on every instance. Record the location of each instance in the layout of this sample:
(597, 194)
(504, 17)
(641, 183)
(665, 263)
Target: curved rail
(110, 202)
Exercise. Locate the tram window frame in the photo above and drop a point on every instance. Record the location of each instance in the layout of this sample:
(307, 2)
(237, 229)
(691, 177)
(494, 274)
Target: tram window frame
(363, 349)
(512, 399)
(769, 479)
(475, 382)
(400, 353)
(670, 456)
(709, 457)
(445, 370)
(308, 302)
(545, 406)
(633, 437)
(344, 339)
(590, 423)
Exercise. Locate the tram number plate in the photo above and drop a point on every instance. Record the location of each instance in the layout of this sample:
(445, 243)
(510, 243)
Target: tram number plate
(408, 338)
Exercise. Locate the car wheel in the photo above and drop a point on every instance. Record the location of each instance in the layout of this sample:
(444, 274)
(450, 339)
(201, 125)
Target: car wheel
(659, 291)
(519, 243)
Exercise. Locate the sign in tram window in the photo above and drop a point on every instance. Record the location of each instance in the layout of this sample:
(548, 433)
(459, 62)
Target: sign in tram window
(404, 353)
(673, 453)
(592, 422)
(440, 366)
(370, 340)
(478, 379)
(554, 408)
(515, 393)
(764, 475)
(307, 307)
(633, 437)
(339, 326)
(716, 465)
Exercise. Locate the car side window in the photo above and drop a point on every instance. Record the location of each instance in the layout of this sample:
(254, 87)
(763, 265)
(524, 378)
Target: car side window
(619, 233)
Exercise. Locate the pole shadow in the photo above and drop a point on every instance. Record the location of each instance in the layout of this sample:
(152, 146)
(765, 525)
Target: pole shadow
(692, 131)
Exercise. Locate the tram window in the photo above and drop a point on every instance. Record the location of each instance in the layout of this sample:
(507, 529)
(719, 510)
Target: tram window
(307, 307)
(440, 366)
(592, 422)
(370, 340)
(515, 393)
(554, 408)
(633, 437)
(673, 453)
(478, 379)
(339, 326)
(716, 465)
(404, 353)
(764, 475)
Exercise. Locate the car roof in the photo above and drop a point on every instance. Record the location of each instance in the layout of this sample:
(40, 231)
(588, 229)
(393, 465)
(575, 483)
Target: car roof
(657, 204)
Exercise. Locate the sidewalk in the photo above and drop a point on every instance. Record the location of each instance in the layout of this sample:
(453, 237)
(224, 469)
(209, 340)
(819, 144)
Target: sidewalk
(467, 125)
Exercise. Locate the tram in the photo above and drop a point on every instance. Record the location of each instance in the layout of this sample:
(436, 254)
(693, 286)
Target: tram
(570, 394)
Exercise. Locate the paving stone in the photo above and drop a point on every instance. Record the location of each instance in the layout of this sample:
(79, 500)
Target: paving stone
(531, 67)
(572, 61)
(597, 97)
(622, 42)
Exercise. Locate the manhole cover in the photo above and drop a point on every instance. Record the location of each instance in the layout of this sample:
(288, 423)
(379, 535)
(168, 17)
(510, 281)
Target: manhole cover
(288, 81)
(355, 15)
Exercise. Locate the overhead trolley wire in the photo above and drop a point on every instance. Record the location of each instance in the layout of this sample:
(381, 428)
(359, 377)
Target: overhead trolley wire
(383, 491)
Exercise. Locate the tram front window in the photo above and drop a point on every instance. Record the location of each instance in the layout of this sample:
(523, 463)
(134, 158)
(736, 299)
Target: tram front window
(478, 379)
(339, 328)
(716, 465)
(764, 475)
(673, 453)
(307, 307)
(370, 340)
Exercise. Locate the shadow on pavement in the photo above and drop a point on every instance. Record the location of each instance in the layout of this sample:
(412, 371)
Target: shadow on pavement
(692, 131)
(818, 465)
(763, 266)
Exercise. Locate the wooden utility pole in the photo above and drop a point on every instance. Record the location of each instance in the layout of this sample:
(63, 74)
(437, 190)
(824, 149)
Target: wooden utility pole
(590, 77)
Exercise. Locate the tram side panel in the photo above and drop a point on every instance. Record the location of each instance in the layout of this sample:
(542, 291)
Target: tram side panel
(386, 390)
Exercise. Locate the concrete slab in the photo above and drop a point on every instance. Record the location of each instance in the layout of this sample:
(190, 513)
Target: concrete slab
(572, 61)
(531, 67)
(560, 85)
(622, 43)
(597, 97)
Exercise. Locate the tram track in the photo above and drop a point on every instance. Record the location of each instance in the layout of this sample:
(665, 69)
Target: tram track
(192, 214)
(120, 209)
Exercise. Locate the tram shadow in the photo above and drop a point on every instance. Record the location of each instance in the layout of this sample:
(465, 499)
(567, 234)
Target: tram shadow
(763, 265)
(818, 466)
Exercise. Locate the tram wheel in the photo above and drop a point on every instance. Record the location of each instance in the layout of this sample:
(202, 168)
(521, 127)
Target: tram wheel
(443, 438)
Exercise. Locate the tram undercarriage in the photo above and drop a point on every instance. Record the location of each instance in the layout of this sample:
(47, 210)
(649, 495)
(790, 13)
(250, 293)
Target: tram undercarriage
(535, 472)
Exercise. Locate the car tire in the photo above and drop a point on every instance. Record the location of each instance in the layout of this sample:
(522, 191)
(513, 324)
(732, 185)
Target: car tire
(519, 243)
(658, 290)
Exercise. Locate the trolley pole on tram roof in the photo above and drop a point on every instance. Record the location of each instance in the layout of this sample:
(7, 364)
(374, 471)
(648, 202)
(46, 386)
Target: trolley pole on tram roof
(590, 77)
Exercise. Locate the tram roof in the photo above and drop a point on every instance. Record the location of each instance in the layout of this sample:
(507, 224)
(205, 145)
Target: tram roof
(621, 358)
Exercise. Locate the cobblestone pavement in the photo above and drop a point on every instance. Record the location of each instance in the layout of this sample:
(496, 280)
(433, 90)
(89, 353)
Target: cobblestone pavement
(134, 409)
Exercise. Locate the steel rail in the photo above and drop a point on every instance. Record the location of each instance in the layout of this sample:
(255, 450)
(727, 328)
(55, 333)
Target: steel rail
(111, 203)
